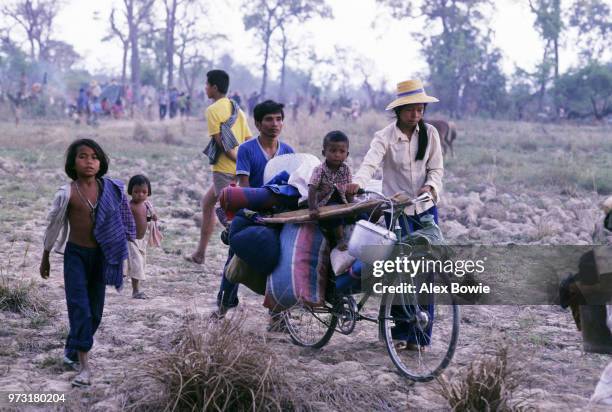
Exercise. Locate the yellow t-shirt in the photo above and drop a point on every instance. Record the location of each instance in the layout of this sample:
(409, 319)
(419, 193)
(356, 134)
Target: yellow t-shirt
(218, 113)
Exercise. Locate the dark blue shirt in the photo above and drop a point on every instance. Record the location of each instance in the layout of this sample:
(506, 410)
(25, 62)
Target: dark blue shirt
(251, 160)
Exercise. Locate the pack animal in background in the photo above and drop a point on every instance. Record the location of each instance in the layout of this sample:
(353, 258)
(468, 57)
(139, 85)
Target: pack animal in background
(448, 134)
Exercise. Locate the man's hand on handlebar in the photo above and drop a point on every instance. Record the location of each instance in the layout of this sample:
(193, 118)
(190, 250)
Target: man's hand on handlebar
(314, 214)
(428, 189)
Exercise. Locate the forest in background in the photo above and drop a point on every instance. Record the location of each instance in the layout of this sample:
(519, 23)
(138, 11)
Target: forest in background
(165, 44)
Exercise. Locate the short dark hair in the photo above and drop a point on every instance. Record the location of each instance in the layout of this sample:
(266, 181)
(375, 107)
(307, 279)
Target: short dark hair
(138, 180)
(71, 153)
(335, 136)
(267, 107)
(218, 78)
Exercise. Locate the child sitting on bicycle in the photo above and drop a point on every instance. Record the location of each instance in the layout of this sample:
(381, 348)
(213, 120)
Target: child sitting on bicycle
(328, 183)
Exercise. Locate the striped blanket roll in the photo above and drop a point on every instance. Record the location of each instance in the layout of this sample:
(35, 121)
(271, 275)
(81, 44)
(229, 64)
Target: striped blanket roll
(212, 150)
(303, 268)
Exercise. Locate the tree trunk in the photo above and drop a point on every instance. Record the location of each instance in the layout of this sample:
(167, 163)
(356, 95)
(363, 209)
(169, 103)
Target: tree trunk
(126, 47)
(264, 77)
(170, 25)
(285, 51)
(556, 92)
(543, 79)
(135, 57)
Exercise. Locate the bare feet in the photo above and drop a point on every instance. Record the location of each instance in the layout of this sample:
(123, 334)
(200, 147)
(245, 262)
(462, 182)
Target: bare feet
(197, 259)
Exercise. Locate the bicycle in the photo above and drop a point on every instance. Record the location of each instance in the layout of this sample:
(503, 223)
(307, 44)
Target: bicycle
(314, 326)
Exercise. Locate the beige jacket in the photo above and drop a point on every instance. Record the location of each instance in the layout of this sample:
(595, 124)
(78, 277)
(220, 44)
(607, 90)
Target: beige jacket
(401, 172)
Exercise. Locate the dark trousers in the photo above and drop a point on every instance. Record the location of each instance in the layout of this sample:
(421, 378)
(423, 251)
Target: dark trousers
(162, 111)
(403, 330)
(228, 291)
(85, 289)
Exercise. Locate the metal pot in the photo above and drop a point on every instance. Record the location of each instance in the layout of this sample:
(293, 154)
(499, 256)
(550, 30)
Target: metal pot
(370, 242)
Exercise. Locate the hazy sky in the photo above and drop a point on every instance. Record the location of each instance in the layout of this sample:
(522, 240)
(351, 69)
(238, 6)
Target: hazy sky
(389, 45)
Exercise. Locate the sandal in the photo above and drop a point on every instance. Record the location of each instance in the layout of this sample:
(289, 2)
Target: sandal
(139, 295)
(72, 364)
(411, 346)
(81, 380)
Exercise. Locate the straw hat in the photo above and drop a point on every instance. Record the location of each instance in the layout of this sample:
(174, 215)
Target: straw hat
(410, 92)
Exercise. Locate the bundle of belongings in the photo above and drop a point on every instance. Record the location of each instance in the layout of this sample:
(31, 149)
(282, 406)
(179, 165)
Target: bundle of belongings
(295, 262)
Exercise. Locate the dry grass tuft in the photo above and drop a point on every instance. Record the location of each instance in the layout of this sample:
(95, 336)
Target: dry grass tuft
(212, 367)
(487, 384)
(221, 366)
(141, 133)
(169, 137)
(23, 297)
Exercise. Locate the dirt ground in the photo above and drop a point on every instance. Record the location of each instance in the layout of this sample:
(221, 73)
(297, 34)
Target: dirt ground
(488, 198)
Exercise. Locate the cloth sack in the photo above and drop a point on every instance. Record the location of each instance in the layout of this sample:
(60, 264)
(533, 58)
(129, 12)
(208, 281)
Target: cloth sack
(257, 244)
(238, 271)
(155, 235)
(303, 268)
(300, 177)
(234, 198)
(227, 137)
(341, 260)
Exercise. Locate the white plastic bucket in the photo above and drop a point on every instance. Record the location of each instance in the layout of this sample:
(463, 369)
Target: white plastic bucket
(370, 242)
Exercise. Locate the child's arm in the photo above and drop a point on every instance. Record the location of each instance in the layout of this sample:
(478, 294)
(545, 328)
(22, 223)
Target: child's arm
(54, 226)
(127, 218)
(349, 195)
(313, 186)
(312, 202)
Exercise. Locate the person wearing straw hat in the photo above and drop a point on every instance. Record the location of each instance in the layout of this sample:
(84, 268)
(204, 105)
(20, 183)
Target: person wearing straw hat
(410, 154)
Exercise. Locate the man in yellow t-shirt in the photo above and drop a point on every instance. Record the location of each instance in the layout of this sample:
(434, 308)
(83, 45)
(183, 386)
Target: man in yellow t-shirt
(224, 170)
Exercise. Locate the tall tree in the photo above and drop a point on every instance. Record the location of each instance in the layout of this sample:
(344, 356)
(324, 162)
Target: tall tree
(136, 11)
(174, 9)
(61, 54)
(265, 17)
(35, 18)
(587, 91)
(286, 48)
(121, 34)
(453, 45)
(261, 17)
(193, 58)
(296, 12)
(549, 25)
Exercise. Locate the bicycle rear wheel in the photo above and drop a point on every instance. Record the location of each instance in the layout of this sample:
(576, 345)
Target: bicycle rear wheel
(310, 327)
(431, 352)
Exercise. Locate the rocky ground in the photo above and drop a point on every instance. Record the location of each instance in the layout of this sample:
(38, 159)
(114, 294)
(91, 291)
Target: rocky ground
(509, 183)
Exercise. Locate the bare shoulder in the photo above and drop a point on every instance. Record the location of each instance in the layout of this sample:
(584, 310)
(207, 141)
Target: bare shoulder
(138, 208)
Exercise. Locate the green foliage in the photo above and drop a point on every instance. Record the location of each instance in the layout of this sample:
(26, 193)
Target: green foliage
(464, 68)
(592, 19)
(587, 91)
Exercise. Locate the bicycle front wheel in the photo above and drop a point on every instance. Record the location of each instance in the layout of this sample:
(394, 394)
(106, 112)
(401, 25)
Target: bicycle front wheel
(310, 326)
(425, 335)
